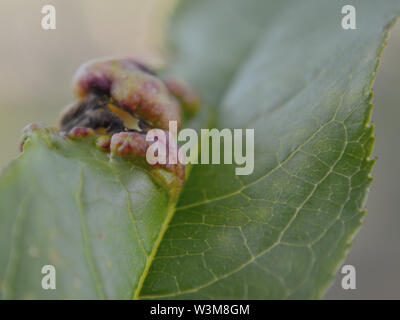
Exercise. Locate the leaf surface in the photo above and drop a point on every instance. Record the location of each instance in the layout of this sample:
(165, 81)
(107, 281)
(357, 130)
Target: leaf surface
(290, 71)
(95, 219)
(286, 69)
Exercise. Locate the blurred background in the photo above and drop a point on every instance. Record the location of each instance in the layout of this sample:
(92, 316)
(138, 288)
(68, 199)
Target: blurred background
(36, 68)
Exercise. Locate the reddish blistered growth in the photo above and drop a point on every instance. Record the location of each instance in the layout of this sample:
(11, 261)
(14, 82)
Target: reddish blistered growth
(129, 143)
(186, 95)
(132, 86)
(134, 144)
(80, 132)
(103, 142)
(120, 100)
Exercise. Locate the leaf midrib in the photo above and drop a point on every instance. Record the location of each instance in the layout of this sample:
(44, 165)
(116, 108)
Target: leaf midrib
(149, 260)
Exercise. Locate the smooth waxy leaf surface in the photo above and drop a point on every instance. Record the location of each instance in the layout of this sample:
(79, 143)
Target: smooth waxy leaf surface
(286, 69)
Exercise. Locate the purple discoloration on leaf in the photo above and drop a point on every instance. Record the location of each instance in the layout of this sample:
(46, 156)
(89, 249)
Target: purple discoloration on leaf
(139, 91)
(119, 101)
(103, 142)
(80, 132)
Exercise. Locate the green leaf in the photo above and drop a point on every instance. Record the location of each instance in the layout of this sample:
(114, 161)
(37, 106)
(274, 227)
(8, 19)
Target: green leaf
(96, 219)
(288, 70)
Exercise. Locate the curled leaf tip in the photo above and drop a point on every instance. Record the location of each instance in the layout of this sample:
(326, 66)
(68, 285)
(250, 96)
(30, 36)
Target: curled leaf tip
(28, 130)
